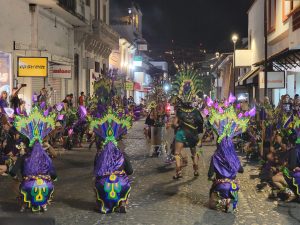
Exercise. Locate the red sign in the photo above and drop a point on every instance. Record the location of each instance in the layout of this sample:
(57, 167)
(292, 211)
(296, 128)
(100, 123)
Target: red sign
(137, 86)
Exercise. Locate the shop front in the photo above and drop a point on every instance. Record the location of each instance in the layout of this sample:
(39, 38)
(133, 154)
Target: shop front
(57, 76)
(138, 92)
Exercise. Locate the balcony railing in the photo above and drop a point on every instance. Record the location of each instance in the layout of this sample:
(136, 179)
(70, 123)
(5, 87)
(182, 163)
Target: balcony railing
(71, 7)
(106, 32)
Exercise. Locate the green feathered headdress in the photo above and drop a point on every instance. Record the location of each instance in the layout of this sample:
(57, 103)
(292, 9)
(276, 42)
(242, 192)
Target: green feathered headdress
(187, 84)
(36, 126)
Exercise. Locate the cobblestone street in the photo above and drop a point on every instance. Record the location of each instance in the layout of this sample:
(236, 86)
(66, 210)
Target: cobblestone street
(155, 198)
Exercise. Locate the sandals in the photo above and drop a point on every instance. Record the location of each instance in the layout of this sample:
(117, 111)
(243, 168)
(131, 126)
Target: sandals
(177, 176)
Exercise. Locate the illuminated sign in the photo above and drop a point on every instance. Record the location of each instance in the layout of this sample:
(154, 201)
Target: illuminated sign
(129, 86)
(138, 61)
(32, 67)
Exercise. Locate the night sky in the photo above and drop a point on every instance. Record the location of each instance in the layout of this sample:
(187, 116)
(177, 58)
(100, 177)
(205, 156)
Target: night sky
(206, 23)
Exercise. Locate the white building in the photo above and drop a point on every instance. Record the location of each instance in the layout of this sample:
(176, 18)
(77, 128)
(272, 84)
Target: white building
(122, 60)
(283, 39)
(127, 21)
(73, 34)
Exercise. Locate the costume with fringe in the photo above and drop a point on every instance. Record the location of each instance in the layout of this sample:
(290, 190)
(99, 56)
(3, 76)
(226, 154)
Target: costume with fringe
(227, 122)
(187, 86)
(36, 188)
(112, 183)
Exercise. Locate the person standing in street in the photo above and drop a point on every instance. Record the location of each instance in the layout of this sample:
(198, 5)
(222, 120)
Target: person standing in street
(15, 101)
(43, 96)
(70, 104)
(3, 101)
(81, 99)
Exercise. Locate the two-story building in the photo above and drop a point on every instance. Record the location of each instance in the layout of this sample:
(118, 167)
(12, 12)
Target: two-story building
(74, 36)
(283, 43)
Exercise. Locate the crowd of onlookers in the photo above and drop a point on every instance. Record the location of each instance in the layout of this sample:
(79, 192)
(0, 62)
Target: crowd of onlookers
(278, 150)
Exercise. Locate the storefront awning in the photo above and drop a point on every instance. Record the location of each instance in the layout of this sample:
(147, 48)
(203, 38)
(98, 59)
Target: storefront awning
(286, 59)
(252, 73)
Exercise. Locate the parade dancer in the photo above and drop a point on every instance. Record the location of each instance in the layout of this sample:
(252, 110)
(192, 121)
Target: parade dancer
(225, 164)
(188, 122)
(111, 168)
(36, 167)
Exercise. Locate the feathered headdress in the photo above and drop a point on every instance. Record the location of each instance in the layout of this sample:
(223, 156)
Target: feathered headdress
(103, 95)
(36, 127)
(110, 128)
(152, 105)
(187, 85)
(226, 119)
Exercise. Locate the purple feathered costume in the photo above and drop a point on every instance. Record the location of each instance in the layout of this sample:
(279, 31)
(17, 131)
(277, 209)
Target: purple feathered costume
(225, 163)
(37, 170)
(112, 183)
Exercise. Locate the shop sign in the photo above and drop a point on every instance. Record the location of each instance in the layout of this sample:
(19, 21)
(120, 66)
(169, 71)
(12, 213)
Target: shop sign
(32, 67)
(276, 80)
(129, 86)
(115, 59)
(61, 71)
(143, 47)
(5, 72)
(138, 61)
(137, 86)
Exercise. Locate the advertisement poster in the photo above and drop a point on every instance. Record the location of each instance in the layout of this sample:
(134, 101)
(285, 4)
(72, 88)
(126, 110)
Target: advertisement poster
(5, 67)
(32, 67)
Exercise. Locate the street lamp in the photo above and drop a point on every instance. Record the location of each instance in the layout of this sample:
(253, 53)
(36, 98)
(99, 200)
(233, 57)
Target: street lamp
(211, 68)
(166, 87)
(234, 39)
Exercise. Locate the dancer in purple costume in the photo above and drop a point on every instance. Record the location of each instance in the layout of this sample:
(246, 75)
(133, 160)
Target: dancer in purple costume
(225, 163)
(111, 167)
(36, 188)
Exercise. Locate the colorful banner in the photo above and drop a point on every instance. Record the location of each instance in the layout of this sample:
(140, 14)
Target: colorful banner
(32, 67)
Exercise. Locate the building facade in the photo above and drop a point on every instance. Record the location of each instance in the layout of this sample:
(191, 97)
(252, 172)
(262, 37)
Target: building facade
(126, 19)
(283, 44)
(74, 35)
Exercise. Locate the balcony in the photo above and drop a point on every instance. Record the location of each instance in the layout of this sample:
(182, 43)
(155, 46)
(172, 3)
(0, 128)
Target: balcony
(106, 34)
(72, 11)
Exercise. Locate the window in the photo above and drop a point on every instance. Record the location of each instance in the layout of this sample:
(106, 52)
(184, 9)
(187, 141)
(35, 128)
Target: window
(289, 7)
(271, 15)
(104, 13)
(97, 9)
(88, 2)
(97, 67)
